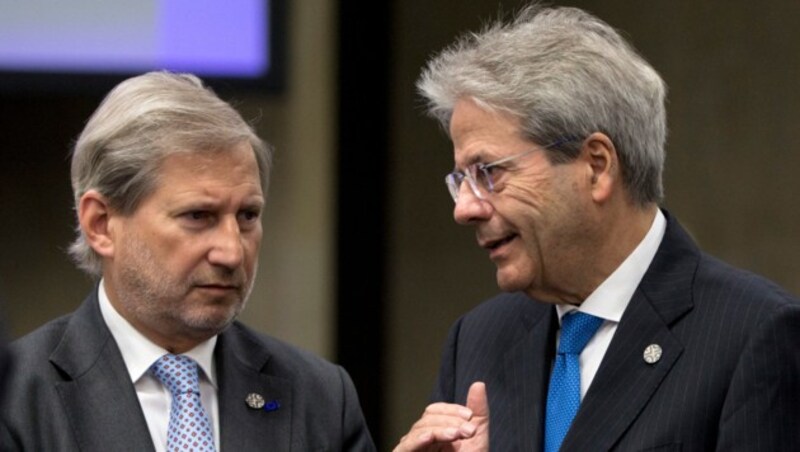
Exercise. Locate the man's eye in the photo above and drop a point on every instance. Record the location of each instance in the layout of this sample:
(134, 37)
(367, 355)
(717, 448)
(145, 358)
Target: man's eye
(487, 174)
(198, 215)
(493, 169)
(250, 215)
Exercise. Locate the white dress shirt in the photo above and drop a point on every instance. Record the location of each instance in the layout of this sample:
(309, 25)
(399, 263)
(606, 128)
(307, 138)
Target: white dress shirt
(139, 353)
(611, 298)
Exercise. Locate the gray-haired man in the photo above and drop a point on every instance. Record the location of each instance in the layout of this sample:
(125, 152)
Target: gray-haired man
(170, 184)
(617, 333)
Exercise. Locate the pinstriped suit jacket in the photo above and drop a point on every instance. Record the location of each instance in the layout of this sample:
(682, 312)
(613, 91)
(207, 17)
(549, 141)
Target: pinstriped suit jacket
(728, 379)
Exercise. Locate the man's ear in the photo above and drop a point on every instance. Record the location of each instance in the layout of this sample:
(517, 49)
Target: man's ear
(94, 217)
(603, 165)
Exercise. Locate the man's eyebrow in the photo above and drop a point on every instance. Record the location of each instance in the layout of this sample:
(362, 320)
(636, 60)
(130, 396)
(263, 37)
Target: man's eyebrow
(254, 203)
(474, 158)
(483, 156)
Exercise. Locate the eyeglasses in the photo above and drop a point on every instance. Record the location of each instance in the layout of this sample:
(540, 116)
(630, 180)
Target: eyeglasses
(479, 175)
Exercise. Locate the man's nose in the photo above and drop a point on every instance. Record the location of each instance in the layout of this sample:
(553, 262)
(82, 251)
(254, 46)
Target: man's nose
(227, 249)
(469, 207)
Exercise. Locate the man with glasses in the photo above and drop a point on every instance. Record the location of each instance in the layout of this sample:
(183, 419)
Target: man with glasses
(616, 331)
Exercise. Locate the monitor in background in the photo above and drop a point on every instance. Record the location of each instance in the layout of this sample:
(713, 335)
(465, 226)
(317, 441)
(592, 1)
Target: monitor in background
(93, 44)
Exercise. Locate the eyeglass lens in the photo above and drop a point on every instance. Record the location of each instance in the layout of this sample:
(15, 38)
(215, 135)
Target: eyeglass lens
(478, 178)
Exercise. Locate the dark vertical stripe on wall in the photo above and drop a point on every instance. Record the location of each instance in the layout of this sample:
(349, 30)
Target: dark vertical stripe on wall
(362, 172)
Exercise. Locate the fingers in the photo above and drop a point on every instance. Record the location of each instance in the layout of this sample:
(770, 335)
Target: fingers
(441, 423)
(434, 439)
(477, 401)
(450, 410)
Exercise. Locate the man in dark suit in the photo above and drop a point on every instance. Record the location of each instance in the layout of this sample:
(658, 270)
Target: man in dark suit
(617, 332)
(169, 184)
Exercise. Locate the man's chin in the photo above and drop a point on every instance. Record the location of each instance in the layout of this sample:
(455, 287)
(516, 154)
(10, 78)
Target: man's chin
(509, 281)
(212, 320)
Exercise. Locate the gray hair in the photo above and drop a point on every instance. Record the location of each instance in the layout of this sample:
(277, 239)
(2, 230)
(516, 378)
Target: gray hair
(140, 122)
(563, 73)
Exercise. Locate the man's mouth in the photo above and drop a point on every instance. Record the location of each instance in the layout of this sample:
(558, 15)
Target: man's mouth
(221, 287)
(492, 245)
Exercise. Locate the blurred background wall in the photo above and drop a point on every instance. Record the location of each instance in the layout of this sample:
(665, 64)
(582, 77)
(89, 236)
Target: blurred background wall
(361, 260)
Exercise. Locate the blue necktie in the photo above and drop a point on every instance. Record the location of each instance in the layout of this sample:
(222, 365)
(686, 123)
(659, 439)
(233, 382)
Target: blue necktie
(564, 393)
(189, 425)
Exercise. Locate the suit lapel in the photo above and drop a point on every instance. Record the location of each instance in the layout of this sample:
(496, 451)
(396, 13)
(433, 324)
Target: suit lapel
(527, 379)
(624, 383)
(104, 411)
(241, 370)
(97, 393)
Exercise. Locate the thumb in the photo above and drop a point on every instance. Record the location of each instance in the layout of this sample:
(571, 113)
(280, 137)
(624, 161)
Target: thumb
(477, 400)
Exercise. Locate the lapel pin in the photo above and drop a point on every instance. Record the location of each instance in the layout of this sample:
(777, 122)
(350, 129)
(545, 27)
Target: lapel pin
(254, 401)
(272, 405)
(652, 353)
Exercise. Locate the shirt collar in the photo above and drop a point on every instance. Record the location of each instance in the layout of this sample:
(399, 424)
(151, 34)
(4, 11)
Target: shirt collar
(139, 352)
(609, 299)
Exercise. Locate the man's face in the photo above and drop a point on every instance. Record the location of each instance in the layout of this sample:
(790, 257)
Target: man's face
(184, 262)
(535, 224)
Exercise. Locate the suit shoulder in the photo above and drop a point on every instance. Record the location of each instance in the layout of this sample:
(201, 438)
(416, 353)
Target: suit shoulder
(747, 304)
(39, 343)
(30, 400)
(503, 318)
(505, 307)
(718, 280)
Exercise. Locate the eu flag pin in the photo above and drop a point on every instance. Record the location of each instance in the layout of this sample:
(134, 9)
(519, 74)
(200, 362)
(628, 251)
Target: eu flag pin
(257, 402)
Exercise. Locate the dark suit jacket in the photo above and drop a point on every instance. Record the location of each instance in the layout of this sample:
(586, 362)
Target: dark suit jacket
(728, 379)
(71, 391)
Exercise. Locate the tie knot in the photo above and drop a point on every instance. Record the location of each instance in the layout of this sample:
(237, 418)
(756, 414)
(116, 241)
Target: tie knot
(576, 330)
(178, 373)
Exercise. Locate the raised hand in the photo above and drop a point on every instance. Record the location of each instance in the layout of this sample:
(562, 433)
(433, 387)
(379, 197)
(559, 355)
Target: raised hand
(451, 427)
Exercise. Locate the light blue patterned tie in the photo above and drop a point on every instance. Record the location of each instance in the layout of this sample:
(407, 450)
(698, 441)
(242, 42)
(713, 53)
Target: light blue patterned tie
(564, 393)
(189, 425)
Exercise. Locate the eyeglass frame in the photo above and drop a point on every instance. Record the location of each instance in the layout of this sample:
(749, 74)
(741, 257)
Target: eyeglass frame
(454, 179)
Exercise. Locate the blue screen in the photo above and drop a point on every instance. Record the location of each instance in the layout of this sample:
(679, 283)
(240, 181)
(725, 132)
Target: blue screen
(216, 38)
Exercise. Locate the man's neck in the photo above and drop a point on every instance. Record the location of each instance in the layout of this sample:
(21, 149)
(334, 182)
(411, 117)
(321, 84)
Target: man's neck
(624, 230)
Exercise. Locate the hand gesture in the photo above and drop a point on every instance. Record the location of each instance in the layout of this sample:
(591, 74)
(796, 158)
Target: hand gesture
(451, 427)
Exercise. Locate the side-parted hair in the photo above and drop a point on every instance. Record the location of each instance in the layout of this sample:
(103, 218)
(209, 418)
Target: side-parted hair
(142, 121)
(563, 73)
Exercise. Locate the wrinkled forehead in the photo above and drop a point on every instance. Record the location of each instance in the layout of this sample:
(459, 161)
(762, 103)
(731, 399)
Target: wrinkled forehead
(233, 163)
(198, 172)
